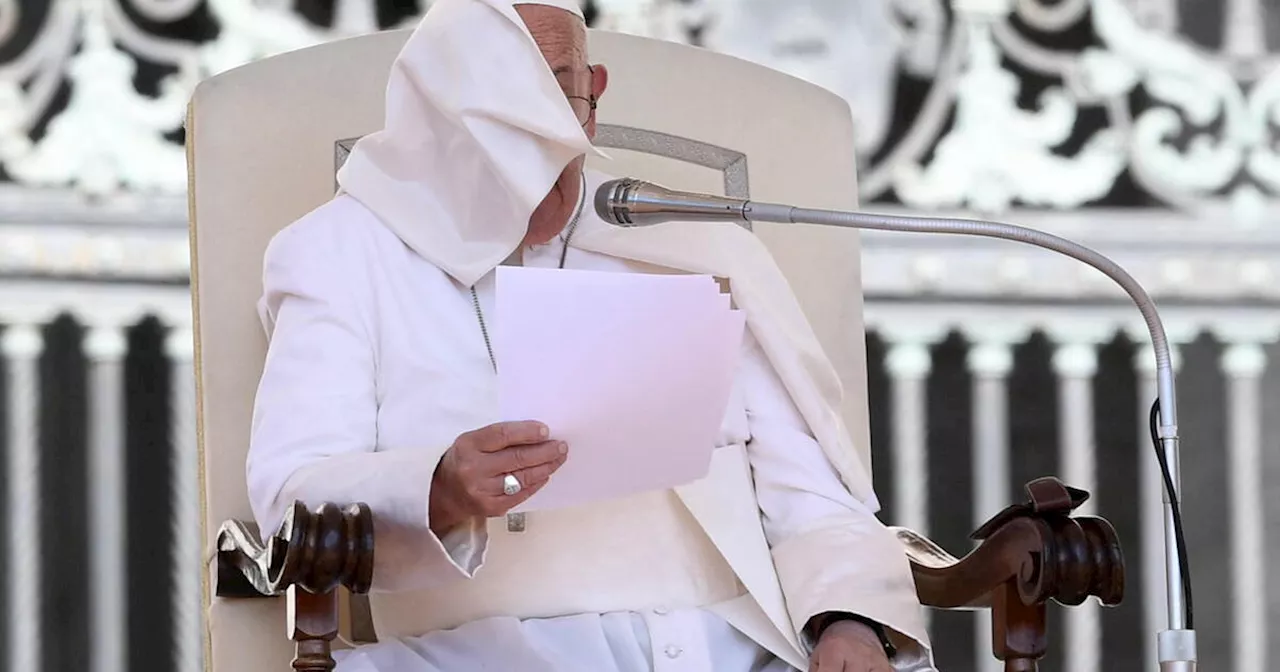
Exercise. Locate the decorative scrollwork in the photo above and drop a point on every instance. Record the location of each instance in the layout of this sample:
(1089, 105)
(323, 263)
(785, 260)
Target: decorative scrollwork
(1090, 562)
(106, 125)
(1036, 547)
(120, 130)
(316, 551)
(924, 33)
(1051, 17)
(996, 153)
(9, 13)
(1194, 128)
(165, 11)
(1125, 111)
(1030, 554)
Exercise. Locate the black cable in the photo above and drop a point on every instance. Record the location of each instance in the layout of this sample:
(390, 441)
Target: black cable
(1183, 566)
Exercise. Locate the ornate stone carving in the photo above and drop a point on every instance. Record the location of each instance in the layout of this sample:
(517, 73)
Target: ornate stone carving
(112, 135)
(997, 154)
(1003, 121)
(1193, 127)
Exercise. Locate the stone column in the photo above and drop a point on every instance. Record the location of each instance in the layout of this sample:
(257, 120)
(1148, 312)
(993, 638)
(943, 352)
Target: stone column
(908, 364)
(355, 17)
(1244, 31)
(188, 535)
(22, 345)
(990, 365)
(1244, 364)
(105, 348)
(1075, 364)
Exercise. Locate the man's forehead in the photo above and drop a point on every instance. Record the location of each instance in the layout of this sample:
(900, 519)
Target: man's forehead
(560, 35)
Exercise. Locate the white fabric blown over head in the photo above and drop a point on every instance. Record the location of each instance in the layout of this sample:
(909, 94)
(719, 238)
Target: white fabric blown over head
(477, 131)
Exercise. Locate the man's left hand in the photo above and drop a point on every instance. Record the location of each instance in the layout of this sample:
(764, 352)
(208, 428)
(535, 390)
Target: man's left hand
(849, 646)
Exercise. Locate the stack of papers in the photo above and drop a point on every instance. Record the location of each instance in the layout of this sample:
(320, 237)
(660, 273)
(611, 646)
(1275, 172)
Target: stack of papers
(633, 371)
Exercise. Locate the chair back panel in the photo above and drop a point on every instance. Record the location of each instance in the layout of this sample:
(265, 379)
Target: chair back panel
(264, 142)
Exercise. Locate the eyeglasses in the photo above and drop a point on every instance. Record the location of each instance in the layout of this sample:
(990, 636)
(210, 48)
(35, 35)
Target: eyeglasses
(584, 107)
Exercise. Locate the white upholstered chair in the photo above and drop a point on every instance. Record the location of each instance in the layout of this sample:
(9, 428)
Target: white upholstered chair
(264, 142)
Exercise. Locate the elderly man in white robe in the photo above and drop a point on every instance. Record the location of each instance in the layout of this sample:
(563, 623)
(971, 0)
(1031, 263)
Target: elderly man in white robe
(380, 387)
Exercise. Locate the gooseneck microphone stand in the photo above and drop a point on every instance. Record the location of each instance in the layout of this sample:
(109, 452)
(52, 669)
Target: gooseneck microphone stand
(628, 202)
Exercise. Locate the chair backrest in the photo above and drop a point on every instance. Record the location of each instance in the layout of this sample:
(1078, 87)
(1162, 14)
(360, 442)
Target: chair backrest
(263, 145)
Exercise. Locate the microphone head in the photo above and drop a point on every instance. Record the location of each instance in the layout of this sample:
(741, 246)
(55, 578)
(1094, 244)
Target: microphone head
(611, 201)
(631, 202)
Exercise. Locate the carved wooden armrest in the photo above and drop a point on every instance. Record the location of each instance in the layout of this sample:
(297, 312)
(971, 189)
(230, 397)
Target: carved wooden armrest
(1030, 554)
(306, 560)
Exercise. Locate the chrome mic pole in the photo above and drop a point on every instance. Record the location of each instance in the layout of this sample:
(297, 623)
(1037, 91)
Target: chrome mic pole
(629, 202)
(1176, 646)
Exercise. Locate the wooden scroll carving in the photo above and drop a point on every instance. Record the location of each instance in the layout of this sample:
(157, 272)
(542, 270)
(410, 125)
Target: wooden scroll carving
(1030, 553)
(306, 560)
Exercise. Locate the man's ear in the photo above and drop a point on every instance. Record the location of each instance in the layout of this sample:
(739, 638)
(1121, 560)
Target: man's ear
(599, 80)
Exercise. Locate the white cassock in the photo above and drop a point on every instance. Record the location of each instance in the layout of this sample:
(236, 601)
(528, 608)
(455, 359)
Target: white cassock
(377, 362)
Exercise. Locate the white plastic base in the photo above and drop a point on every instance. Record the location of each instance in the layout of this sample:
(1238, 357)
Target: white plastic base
(1177, 650)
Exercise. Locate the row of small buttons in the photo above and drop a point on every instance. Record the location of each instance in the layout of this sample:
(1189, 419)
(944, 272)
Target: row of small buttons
(671, 650)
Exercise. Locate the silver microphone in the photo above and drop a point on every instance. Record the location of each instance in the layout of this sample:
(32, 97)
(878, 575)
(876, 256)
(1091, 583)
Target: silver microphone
(629, 202)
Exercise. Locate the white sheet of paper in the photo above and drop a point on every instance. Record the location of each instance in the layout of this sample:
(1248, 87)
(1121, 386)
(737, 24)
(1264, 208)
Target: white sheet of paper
(633, 371)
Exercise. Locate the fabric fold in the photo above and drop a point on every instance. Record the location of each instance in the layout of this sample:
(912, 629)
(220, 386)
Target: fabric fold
(470, 146)
(316, 411)
(397, 486)
(814, 583)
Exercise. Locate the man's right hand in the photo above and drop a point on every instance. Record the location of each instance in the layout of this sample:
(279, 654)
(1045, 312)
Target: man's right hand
(468, 481)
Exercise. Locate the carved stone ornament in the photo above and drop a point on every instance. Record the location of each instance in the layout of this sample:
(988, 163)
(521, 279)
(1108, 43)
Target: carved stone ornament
(1003, 120)
(996, 118)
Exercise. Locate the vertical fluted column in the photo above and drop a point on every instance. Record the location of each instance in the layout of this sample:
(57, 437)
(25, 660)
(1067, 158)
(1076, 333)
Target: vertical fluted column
(22, 346)
(105, 347)
(187, 530)
(1244, 364)
(990, 365)
(355, 17)
(1075, 365)
(1244, 30)
(1151, 507)
(908, 365)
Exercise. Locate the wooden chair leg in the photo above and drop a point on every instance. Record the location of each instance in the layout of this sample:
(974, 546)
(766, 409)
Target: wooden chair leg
(313, 625)
(1018, 630)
